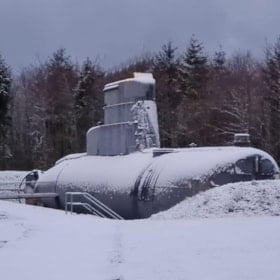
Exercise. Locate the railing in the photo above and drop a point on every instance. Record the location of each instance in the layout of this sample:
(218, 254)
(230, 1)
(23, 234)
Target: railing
(93, 205)
(28, 195)
(12, 193)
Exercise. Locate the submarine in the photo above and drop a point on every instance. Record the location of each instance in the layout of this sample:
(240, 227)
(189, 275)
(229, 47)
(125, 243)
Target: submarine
(125, 168)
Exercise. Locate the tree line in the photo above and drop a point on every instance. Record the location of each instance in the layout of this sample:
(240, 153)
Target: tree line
(46, 109)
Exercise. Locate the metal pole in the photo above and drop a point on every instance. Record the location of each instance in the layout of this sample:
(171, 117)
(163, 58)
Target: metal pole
(65, 202)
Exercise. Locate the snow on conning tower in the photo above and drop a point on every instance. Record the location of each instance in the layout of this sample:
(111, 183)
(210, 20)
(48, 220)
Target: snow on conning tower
(130, 118)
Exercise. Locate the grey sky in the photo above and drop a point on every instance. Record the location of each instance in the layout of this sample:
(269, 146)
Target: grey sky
(116, 30)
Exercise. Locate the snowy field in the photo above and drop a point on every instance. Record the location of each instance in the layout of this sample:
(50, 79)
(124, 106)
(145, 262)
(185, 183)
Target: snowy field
(11, 177)
(182, 243)
(10, 181)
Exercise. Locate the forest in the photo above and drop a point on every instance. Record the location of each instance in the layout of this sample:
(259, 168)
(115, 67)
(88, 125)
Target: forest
(47, 108)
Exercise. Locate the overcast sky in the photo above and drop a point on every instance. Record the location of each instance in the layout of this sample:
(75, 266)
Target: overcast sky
(116, 30)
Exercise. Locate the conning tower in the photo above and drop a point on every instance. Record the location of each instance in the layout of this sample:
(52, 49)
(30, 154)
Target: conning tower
(130, 118)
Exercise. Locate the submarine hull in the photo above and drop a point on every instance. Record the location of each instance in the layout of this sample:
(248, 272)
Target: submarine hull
(141, 184)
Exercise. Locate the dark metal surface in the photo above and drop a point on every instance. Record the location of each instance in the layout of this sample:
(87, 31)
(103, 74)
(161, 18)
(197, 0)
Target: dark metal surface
(28, 195)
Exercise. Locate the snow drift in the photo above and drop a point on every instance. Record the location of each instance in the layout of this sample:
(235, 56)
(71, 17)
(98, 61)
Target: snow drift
(256, 198)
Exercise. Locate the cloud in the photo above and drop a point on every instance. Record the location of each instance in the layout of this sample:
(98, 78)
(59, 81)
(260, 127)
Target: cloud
(117, 30)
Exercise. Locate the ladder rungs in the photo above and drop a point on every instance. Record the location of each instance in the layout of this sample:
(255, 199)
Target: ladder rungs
(75, 203)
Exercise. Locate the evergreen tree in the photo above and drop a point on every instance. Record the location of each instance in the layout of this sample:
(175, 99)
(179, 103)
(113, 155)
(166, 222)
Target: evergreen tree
(219, 61)
(61, 78)
(5, 98)
(88, 101)
(272, 98)
(194, 70)
(193, 110)
(165, 71)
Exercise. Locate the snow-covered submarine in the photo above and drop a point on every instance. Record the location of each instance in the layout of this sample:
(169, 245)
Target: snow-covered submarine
(125, 168)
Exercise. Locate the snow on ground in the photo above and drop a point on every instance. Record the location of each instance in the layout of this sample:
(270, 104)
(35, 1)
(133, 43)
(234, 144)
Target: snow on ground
(11, 180)
(11, 177)
(45, 244)
(255, 198)
(38, 243)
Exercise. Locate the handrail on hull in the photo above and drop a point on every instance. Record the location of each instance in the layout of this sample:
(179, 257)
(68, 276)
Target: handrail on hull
(93, 205)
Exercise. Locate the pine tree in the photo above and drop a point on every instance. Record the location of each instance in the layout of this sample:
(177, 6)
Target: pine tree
(194, 70)
(88, 101)
(165, 71)
(5, 98)
(61, 78)
(272, 98)
(219, 61)
(193, 110)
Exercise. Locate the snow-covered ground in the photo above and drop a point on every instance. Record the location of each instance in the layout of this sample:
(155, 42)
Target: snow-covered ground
(45, 244)
(11, 178)
(10, 181)
(256, 198)
(38, 243)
